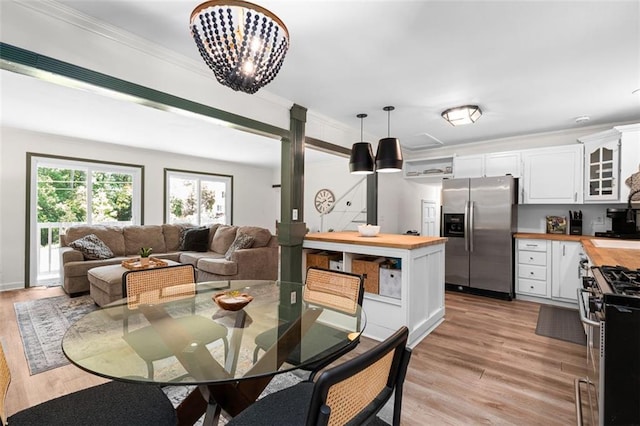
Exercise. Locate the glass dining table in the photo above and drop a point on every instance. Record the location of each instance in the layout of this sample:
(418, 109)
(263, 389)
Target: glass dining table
(228, 371)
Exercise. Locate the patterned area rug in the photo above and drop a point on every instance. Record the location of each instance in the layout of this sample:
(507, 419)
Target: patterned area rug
(42, 324)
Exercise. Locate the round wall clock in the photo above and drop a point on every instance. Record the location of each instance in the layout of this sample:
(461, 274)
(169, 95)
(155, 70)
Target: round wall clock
(324, 200)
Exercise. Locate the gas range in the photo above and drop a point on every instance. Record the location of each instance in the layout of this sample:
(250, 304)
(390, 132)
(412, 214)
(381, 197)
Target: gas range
(610, 309)
(621, 280)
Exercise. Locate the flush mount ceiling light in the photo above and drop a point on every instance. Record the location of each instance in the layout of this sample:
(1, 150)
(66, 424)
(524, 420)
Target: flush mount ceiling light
(389, 154)
(244, 44)
(465, 114)
(361, 159)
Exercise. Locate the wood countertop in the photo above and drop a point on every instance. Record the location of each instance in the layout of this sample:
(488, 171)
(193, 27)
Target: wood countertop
(599, 255)
(401, 241)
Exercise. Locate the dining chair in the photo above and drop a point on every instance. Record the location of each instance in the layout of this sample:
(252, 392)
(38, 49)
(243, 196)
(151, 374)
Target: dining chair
(352, 392)
(112, 403)
(328, 289)
(158, 285)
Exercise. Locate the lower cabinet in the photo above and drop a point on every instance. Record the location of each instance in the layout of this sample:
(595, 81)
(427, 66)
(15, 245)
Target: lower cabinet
(565, 271)
(548, 269)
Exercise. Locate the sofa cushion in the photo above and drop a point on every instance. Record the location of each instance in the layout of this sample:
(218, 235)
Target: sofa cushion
(212, 231)
(136, 237)
(196, 239)
(261, 235)
(223, 238)
(112, 236)
(242, 241)
(172, 234)
(218, 266)
(92, 247)
(192, 257)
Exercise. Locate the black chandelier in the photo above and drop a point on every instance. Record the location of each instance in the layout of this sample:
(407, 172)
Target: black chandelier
(242, 43)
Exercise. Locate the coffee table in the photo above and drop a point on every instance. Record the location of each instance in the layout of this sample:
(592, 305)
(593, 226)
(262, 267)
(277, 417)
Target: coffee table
(105, 282)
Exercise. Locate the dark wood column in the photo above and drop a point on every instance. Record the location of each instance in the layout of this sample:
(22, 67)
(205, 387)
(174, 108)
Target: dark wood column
(292, 228)
(372, 199)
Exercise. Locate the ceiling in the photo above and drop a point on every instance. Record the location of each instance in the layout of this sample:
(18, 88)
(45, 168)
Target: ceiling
(532, 66)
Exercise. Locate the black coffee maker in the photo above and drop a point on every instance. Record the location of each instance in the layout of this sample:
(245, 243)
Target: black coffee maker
(620, 226)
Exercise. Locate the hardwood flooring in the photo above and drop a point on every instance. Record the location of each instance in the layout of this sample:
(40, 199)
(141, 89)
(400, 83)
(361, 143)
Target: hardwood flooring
(483, 365)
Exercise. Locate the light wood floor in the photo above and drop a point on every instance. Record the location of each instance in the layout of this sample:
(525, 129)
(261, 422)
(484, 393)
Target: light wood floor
(483, 365)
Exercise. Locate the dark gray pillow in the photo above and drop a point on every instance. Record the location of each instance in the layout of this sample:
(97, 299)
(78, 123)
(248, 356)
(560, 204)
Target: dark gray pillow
(196, 239)
(242, 241)
(92, 247)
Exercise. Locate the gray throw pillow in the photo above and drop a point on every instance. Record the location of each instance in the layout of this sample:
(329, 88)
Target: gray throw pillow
(242, 241)
(92, 247)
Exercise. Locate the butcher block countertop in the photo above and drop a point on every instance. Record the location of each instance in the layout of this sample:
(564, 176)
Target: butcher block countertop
(401, 241)
(599, 255)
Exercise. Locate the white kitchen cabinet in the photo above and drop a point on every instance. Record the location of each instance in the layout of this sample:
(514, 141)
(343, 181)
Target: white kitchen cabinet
(602, 166)
(485, 165)
(533, 267)
(468, 166)
(503, 163)
(611, 157)
(565, 270)
(552, 175)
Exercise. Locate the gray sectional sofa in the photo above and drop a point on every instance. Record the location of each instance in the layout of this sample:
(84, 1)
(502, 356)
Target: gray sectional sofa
(260, 261)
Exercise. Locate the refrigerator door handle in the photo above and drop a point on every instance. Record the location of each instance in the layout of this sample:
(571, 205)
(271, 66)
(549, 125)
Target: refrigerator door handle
(471, 225)
(466, 226)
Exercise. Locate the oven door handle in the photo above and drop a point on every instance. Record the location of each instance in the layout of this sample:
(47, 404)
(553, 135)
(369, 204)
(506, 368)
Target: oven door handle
(583, 313)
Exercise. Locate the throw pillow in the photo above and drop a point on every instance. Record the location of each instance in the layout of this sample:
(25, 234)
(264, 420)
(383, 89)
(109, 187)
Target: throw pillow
(195, 239)
(225, 234)
(92, 247)
(242, 241)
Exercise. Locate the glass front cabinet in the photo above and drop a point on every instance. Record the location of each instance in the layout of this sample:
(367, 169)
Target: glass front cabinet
(602, 168)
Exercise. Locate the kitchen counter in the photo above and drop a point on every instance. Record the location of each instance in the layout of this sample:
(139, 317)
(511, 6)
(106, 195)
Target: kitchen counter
(412, 295)
(401, 241)
(611, 256)
(598, 255)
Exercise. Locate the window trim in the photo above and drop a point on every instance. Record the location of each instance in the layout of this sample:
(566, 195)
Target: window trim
(33, 161)
(197, 175)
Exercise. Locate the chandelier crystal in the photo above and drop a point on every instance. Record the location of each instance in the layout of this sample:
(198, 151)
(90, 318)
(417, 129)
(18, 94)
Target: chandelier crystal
(242, 43)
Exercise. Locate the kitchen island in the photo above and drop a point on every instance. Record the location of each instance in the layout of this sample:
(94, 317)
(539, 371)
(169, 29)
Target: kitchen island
(410, 284)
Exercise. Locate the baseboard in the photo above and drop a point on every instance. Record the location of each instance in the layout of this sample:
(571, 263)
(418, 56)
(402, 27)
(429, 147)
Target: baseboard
(11, 286)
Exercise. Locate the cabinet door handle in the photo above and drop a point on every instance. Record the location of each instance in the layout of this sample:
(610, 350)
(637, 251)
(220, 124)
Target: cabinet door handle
(530, 258)
(575, 196)
(564, 251)
(531, 273)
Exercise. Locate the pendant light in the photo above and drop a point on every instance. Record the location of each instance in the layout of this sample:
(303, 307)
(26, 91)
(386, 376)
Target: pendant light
(389, 154)
(361, 160)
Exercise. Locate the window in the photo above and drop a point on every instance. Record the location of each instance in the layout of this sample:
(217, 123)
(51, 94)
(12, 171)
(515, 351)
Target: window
(66, 192)
(198, 198)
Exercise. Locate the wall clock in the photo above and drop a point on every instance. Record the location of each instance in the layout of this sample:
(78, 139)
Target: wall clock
(324, 200)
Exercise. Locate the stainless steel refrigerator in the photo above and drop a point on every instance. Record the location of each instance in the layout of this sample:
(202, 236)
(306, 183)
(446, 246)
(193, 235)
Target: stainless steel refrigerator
(479, 217)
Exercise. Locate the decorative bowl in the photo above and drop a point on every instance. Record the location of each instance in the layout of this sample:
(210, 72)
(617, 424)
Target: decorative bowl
(232, 300)
(368, 230)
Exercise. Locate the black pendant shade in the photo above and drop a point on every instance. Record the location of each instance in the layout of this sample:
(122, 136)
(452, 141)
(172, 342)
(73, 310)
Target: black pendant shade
(389, 156)
(361, 160)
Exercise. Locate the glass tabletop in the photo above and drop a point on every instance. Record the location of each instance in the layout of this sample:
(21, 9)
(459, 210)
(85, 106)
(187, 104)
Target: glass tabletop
(182, 336)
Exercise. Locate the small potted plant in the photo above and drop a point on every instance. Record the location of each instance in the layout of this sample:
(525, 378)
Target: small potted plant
(145, 252)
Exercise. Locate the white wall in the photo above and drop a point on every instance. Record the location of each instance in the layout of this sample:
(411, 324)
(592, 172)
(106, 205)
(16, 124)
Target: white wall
(254, 203)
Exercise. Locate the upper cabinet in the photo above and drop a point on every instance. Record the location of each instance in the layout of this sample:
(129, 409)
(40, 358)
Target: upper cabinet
(468, 166)
(552, 175)
(503, 163)
(485, 165)
(610, 157)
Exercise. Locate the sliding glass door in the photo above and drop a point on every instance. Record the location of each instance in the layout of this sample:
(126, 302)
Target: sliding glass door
(66, 192)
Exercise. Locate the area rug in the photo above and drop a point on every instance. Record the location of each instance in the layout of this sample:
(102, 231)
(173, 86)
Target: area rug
(43, 322)
(561, 323)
